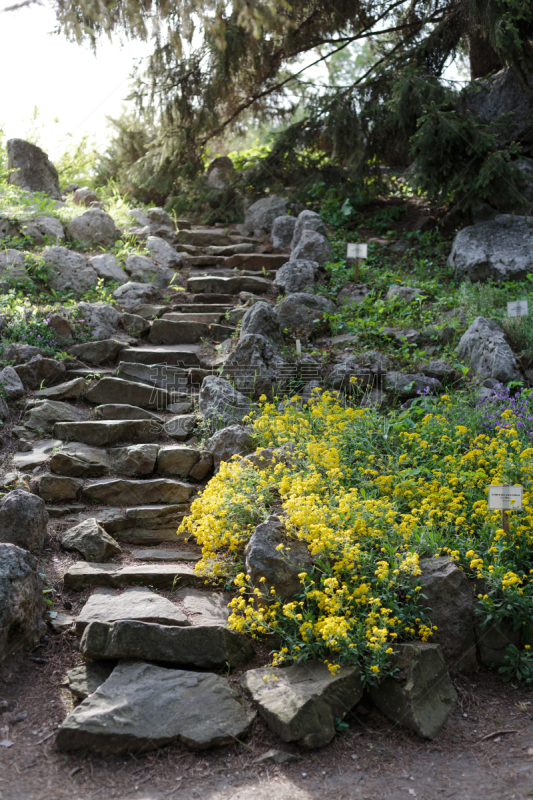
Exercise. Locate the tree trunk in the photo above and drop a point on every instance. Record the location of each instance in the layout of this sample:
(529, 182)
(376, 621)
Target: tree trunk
(483, 58)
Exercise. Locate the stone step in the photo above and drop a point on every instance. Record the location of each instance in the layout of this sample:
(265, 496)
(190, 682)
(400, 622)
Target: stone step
(78, 460)
(70, 390)
(108, 432)
(150, 310)
(138, 525)
(203, 308)
(121, 492)
(89, 373)
(165, 554)
(230, 249)
(255, 262)
(212, 299)
(234, 285)
(121, 411)
(83, 575)
(184, 316)
(174, 379)
(205, 261)
(177, 355)
(110, 390)
(138, 603)
(164, 331)
(204, 237)
(40, 453)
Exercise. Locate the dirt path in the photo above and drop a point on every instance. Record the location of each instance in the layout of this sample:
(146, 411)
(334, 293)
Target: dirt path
(373, 760)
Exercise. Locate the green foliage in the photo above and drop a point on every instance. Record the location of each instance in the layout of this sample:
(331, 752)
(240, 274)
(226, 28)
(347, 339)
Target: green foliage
(25, 325)
(518, 665)
(77, 163)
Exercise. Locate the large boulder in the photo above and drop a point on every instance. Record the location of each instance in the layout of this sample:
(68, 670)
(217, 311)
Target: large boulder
(19, 353)
(133, 294)
(255, 366)
(39, 371)
(282, 232)
(22, 602)
(301, 703)
(220, 172)
(163, 253)
(102, 318)
(260, 216)
(503, 93)
(11, 383)
(263, 558)
(224, 444)
(303, 312)
(500, 249)
(135, 461)
(296, 276)
(220, 404)
(23, 520)
(312, 246)
(141, 707)
(91, 540)
(32, 169)
(261, 319)
(450, 607)
(98, 352)
(307, 221)
(12, 265)
(43, 230)
(69, 270)
(366, 371)
(145, 270)
(94, 226)
(405, 385)
(107, 267)
(43, 415)
(421, 695)
(484, 348)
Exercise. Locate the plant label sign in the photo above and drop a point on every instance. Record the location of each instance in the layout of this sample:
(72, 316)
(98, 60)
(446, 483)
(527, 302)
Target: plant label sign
(356, 250)
(517, 308)
(505, 498)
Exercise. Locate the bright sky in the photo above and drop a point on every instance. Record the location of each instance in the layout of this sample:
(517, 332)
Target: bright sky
(63, 80)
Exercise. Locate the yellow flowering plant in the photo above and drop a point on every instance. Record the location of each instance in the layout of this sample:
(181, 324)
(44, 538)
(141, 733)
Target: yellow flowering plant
(370, 494)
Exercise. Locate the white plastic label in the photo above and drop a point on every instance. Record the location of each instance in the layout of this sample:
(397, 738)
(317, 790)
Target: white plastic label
(298, 346)
(517, 308)
(356, 250)
(505, 498)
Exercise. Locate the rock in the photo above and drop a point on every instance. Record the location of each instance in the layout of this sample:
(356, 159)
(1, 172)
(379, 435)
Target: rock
(23, 520)
(220, 172)
(149, 311)
(43, 230)
(182, 355)
(136, 460)
(22, 604)
(282, 232)
(119, 391)
(441, 370)
(83, 575)
(303, 312)
(158, 218)
(450, 607)
(32, 169)
(4, 409)
(492, 640)
(260, 216)
(122, 411)
(280, 567)
(163, 254)
(78, 460)
(11, 383)
(296, 276)
(85, 679)
(167, 331)
(204, 646)
(102, 318)
(109, 432)
(500, 249)
(132, 294)
(107, 267)
(39, 371)
(301, 703)
(484, 348)
(20, 353)
(69, 270)
(404, 293)
(168, 554)
(61, 326)
(404, 385)
(117, 491)
(181, 426)
(312, 247)
(85, 196)
(70, 390)
(261, 319)
(91, 540)
(255, 366)
(215, 284)
(145, 270)
(202, 467)
(366, 370)
(421, 695)
(93, 227)
(138, 603)
(353, 293)
(99, 352)
(220, 404)
(55, 488)
(205, 608)
(235, 314)
(40, 454)
(60, 621)
(161, 375)
(424, 224)
(502, 93)
(203, 238)
(276, 757)
(43, 415)
(135, 325)
(307, 221)
(12, 265)
(141, 525)
(181, 409)
(234, 440)
(176, 460)
(125, 714)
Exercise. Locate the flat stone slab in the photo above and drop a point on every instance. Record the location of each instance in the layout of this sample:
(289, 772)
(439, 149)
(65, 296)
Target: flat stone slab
(255, 262)
(40, 454)
(240, 283)
(83, 575)
(206, 317)
(173, 379)
(204, 646)
(300, 703)
(108, 432)
(175, 355)
(153, 554)
(122, 411)
(85, 679)
(78, 460)
(165, 331)
(141, 707)
(205, 608)
(137, 603)
(117, 491)
(69, 390)
(142, 525)
(119, 391)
